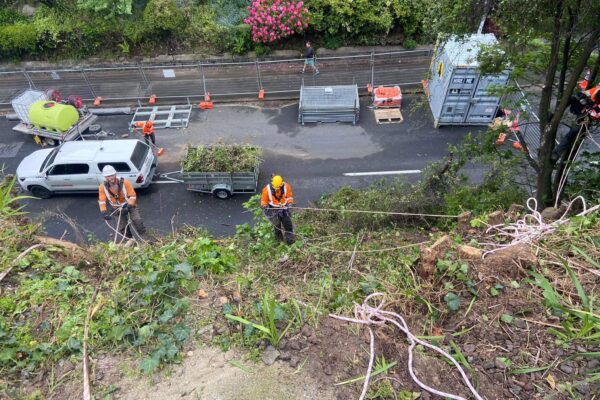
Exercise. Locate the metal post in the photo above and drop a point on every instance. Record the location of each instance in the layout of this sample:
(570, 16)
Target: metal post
(88, 83)
(144, 77)
(203, 79)
(372, 68)
(31, 84)
(258, 77)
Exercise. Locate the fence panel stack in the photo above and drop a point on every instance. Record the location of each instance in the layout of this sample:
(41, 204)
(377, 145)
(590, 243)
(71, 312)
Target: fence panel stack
(329, 104)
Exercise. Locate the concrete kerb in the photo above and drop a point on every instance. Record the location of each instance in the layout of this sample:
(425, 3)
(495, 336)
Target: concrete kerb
(186, 58)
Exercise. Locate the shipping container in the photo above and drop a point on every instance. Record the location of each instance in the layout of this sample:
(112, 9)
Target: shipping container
(457, 93)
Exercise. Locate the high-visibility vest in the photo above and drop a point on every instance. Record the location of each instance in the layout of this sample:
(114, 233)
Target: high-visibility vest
(124, 194)
(277, 197)
(593, 94)
(148, 130)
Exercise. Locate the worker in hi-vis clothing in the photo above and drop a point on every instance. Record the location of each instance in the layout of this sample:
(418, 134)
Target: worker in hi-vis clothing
(148, 133)
(121, 197)
(277, 198)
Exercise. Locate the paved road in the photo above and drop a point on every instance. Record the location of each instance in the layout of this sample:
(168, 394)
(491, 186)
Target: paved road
(313, 158)
(241, 80)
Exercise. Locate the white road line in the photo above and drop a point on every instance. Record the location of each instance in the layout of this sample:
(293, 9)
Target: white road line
(402, 172)
(165, 182)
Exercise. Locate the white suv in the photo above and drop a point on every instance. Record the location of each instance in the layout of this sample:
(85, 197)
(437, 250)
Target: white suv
(77, 166)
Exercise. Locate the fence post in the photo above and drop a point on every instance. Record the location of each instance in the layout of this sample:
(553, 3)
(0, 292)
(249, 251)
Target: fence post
(31, 84)
(144, 78)
(258, 77)
(88, 83)
(203, 79)
(372, 68)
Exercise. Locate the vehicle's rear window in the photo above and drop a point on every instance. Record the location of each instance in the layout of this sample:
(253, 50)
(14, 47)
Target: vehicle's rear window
(118, 166)
(140, 152)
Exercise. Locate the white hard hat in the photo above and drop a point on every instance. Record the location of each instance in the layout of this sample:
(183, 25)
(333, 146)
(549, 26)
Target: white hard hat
(108, 170)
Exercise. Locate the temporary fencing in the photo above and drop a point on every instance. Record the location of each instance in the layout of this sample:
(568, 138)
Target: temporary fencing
(279, 79)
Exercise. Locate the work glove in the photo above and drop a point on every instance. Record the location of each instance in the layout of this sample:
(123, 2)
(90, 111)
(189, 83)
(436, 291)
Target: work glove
(106, 216)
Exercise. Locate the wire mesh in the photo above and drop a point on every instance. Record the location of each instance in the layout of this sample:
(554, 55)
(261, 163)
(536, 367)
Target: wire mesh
(232, 79)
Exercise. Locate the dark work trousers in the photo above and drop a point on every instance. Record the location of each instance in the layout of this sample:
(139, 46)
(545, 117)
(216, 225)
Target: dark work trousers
(136, 221)
(149, 137)
(282, 224)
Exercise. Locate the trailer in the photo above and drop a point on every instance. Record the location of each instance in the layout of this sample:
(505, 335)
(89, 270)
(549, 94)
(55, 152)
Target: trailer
(23, 103)
(222, 185)
(51, 137)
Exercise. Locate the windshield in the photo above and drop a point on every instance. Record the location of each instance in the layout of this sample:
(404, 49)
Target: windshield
(49, 159)
(139, 155)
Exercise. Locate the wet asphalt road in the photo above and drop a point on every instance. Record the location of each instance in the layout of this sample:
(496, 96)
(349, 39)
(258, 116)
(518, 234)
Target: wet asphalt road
(312, 158)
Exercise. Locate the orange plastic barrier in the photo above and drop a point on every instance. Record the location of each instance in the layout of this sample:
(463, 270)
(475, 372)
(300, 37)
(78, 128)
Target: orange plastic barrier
(261, 94)
(206, 105)
(97, 101)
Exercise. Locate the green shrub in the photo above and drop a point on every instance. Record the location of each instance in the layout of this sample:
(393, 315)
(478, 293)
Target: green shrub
(262, 50)
(239, 40)
(163, 16)
(9, 17)
(18, 39)
(203, 28)
(332, 42)
(409, 44)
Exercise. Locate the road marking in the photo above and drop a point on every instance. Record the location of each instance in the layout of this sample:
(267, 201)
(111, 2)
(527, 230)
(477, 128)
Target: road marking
(165, 182)
(402, 172)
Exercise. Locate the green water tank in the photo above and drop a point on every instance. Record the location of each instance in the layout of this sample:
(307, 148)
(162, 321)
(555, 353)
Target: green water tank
(52, 116)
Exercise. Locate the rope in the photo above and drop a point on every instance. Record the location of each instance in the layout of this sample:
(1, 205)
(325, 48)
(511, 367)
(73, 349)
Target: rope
(376, 212)
(522, 231)
(375, 316)
(306, 240)
(563, 178)
(129, 226)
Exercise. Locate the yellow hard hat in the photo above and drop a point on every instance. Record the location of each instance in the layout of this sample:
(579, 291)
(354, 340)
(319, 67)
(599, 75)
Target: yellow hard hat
(276, 182)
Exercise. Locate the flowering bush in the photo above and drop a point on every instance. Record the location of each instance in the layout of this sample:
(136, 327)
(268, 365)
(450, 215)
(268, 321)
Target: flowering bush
(271, 20)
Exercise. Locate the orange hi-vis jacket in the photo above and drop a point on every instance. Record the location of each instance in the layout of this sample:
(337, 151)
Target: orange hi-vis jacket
(124, 194)
(281, 197)
(148, 130)
(593, 94)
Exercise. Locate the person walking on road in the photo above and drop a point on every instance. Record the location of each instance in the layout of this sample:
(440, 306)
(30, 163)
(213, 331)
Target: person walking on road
(277, 198)
(309, 59)
(148, 133)
(120, 195)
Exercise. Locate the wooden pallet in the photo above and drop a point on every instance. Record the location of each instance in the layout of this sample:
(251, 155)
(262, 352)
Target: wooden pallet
(388, 116)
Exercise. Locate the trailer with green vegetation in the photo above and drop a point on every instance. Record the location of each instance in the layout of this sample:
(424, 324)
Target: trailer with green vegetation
(222, 170)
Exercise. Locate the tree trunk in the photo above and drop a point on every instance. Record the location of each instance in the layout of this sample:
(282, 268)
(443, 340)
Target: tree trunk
(544, 183)
(594, 73)
(566, 52)
(544, 193)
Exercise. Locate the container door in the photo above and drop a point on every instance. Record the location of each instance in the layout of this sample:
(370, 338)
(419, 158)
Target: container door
(483, 105)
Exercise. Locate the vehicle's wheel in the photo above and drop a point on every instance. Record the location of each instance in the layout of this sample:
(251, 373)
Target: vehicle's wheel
(40, 191)
(222, 194)
(51, 142)
(95, 128)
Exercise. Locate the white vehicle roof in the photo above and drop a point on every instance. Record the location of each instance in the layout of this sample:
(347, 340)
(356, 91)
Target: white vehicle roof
(92, 150)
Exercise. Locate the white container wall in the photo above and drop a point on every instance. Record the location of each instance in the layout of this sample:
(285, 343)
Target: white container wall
(457, 93)
(22, 102)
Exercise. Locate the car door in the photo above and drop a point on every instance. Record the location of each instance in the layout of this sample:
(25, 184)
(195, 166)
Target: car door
(70, 177)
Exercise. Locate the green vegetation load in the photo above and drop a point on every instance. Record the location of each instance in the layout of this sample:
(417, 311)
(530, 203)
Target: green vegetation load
(234, 158)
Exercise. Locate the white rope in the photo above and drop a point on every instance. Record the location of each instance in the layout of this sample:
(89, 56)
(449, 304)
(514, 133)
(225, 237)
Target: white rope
(376, 212)
(532, 226)
(563, 178)
(365, 314)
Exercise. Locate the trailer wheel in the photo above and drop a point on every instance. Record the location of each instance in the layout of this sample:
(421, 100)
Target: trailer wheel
(40, 192)
(95, 128)
(222, 194)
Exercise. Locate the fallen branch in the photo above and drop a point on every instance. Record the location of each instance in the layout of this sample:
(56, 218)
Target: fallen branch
(16, 260)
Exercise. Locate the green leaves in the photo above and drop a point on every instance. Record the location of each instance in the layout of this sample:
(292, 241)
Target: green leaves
(452, 301)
